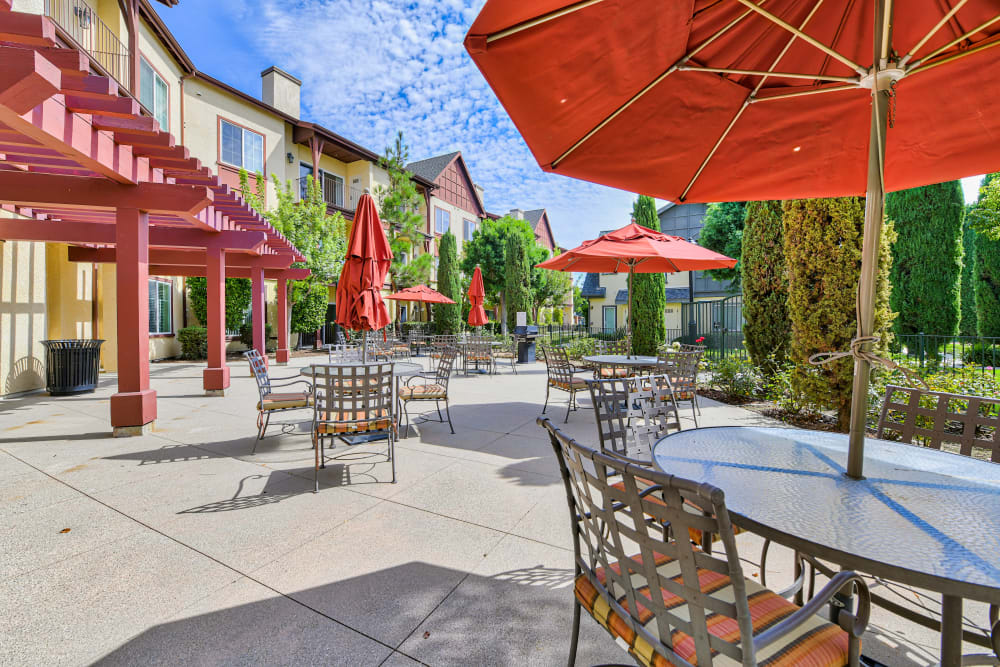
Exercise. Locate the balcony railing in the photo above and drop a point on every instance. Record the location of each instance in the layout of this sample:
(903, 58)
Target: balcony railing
(80, 21)
(333, 193)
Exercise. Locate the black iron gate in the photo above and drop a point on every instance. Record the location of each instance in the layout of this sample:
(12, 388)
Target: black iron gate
(718, 323)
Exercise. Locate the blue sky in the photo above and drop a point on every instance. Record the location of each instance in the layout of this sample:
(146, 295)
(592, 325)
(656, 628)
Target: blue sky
(372, 67)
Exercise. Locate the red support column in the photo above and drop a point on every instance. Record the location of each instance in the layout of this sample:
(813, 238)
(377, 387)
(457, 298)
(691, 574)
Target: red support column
(257, 280)
(282, 354)
(133, 408)
(215, 378)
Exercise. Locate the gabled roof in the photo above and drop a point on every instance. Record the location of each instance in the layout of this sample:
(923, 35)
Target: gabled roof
(536, 218)
(432, 167)
(677, 294)
(622, 297)
(592, 287)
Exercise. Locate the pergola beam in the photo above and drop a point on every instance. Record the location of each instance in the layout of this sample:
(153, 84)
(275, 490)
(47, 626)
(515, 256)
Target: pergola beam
(71, 192)
(12, 229)
(231, 272)
(164, 257)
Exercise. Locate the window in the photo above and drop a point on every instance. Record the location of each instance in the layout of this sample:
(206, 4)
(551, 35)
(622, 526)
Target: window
(305, 171)
(470, 229)
(160, 311)
(402, 313)
(241, 147)
(442, 220)
(153, 94)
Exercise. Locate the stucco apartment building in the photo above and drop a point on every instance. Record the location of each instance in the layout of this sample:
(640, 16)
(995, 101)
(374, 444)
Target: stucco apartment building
(44, 295)
(607, 293)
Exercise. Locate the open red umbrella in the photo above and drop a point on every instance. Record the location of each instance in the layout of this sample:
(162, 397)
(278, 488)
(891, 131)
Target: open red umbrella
(359, 292)
(421, 293)
(705, 101)
(637, 249)
(477, 294)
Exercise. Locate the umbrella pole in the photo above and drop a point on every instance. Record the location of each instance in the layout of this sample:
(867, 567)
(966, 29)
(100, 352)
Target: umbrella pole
(874, 207)
(628, 318)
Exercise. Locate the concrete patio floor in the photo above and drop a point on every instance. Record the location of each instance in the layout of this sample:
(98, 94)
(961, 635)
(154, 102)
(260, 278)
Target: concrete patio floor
(182, 547)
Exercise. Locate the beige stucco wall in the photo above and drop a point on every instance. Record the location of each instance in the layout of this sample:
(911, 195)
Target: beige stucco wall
(156, 55)
(69, 294)
(22, 316)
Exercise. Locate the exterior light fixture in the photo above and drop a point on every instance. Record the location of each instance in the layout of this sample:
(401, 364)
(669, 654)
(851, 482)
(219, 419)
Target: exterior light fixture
(291, 158)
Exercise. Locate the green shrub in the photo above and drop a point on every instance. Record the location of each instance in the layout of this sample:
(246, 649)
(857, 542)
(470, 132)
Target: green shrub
(194, 342)
(982, 354)
(246, 336)
(581, 347)
(736, 377)
(970, 382)
(239, 293)
(557, 316)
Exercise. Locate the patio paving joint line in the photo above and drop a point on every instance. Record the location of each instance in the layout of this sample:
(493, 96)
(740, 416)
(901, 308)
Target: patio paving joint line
(216, 560)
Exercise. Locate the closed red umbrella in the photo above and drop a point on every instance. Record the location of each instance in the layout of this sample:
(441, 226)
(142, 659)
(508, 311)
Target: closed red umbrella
(705, 101)
(637, 249)
(477, 294)
(421, 293)
(359, 292)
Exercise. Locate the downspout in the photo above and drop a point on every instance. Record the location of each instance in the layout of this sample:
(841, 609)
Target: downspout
(133, 48)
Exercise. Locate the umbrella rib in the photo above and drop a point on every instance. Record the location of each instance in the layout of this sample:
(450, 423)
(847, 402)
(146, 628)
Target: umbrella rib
(933, 31)
(978, 28)
(953, 57)
(670, 70)
(539, 20)
(801, 93)
(804, 37)
(785, 75)
(747, 102)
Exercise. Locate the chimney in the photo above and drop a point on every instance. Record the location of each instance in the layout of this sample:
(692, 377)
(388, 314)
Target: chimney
(280, 90)
(479, 190)
(516, 213)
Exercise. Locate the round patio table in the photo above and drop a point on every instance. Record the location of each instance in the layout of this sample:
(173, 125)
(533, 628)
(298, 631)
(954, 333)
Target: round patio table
(921, 517)
(621, 360)
(399, 368)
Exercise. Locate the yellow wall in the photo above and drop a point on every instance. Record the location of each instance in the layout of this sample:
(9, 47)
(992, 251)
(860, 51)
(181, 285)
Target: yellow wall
(22, 316)
(70, 294)
(156, 55)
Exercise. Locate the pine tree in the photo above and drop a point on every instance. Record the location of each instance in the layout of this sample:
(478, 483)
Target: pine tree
(967, 326)
(927, 258)
(399, 209)
(985, 220)
(649, 299)
(765, 286)
(448, 316)
(517, 279)
(823, 254)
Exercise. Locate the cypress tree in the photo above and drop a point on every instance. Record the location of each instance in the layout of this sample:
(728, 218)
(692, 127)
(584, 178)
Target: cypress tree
(926, 258)
(649, 297)
(985, 220)
(765, 286)
(823, 254)
(517, 279)
(448, 316)
(722, 231)
(967, 324)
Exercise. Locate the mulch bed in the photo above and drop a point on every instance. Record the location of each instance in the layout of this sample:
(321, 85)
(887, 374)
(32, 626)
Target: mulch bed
(809, 420)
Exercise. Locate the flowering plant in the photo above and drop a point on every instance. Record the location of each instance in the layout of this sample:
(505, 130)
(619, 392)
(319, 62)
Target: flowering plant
(700, 340)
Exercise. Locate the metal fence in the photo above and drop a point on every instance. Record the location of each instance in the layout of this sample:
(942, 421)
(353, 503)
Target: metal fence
(932, 352)
(718, 325)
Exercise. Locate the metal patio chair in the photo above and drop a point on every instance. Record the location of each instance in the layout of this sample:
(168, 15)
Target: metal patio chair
(349, 400)
(478, 351)
(343, 353)
(682, 369)
(645, 596)
(433, 388)
(271, 401)
(561, 376)
(508, 351)
(620, 346)
(633, 413)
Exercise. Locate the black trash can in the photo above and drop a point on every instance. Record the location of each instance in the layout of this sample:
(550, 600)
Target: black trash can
(71, 366)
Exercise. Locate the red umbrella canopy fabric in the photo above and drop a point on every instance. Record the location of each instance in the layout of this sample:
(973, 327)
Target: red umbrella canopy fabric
(421, 293)
(477, 294)
(640, 249)
(359, 293)
(702, 101)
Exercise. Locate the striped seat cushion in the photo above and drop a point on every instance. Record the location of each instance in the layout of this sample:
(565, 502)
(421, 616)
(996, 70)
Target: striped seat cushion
(479, 357)
(353, 422)
(575, 384)
(816, 643)
(608, 372)
(505, 354)
(423, 391)
(295, 399)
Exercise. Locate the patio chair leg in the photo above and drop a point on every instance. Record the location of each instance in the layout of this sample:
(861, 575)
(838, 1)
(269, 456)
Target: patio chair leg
(513, 365)
(694, 415)
(406, 416)
(392, 456)
(316, 467)
(437, 404)
(697, 404)
(544, 407)
(575, 637)
(448, 411)
(569, 406)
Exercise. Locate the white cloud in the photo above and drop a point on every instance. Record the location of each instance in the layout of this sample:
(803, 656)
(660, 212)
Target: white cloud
(393, 65)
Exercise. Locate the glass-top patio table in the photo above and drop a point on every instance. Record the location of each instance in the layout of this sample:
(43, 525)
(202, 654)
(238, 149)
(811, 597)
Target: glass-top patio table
(921, 517)
(621, 360)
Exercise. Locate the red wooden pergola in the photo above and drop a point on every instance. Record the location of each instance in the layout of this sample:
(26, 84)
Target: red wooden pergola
(89, 169)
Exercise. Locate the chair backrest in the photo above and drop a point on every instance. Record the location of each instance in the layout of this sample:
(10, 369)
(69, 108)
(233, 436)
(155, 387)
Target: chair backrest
(932, 418)
(688, 347)
(682, 369)
(352, 394)
(446, 362)
(621, 346)
(258, 369)
(339, 353)
(633, 413)
(558, 366)
(479, 348)
(617, 510)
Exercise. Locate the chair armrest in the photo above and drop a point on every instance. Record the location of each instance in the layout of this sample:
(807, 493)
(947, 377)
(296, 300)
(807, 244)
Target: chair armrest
(854, 624)
(423, 376)
(289, 384)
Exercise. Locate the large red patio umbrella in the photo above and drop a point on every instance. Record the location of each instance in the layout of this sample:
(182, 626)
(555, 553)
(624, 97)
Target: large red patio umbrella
(359, 292)
(704, 101)
(477, 294)
(637, 249)
(421, 293)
